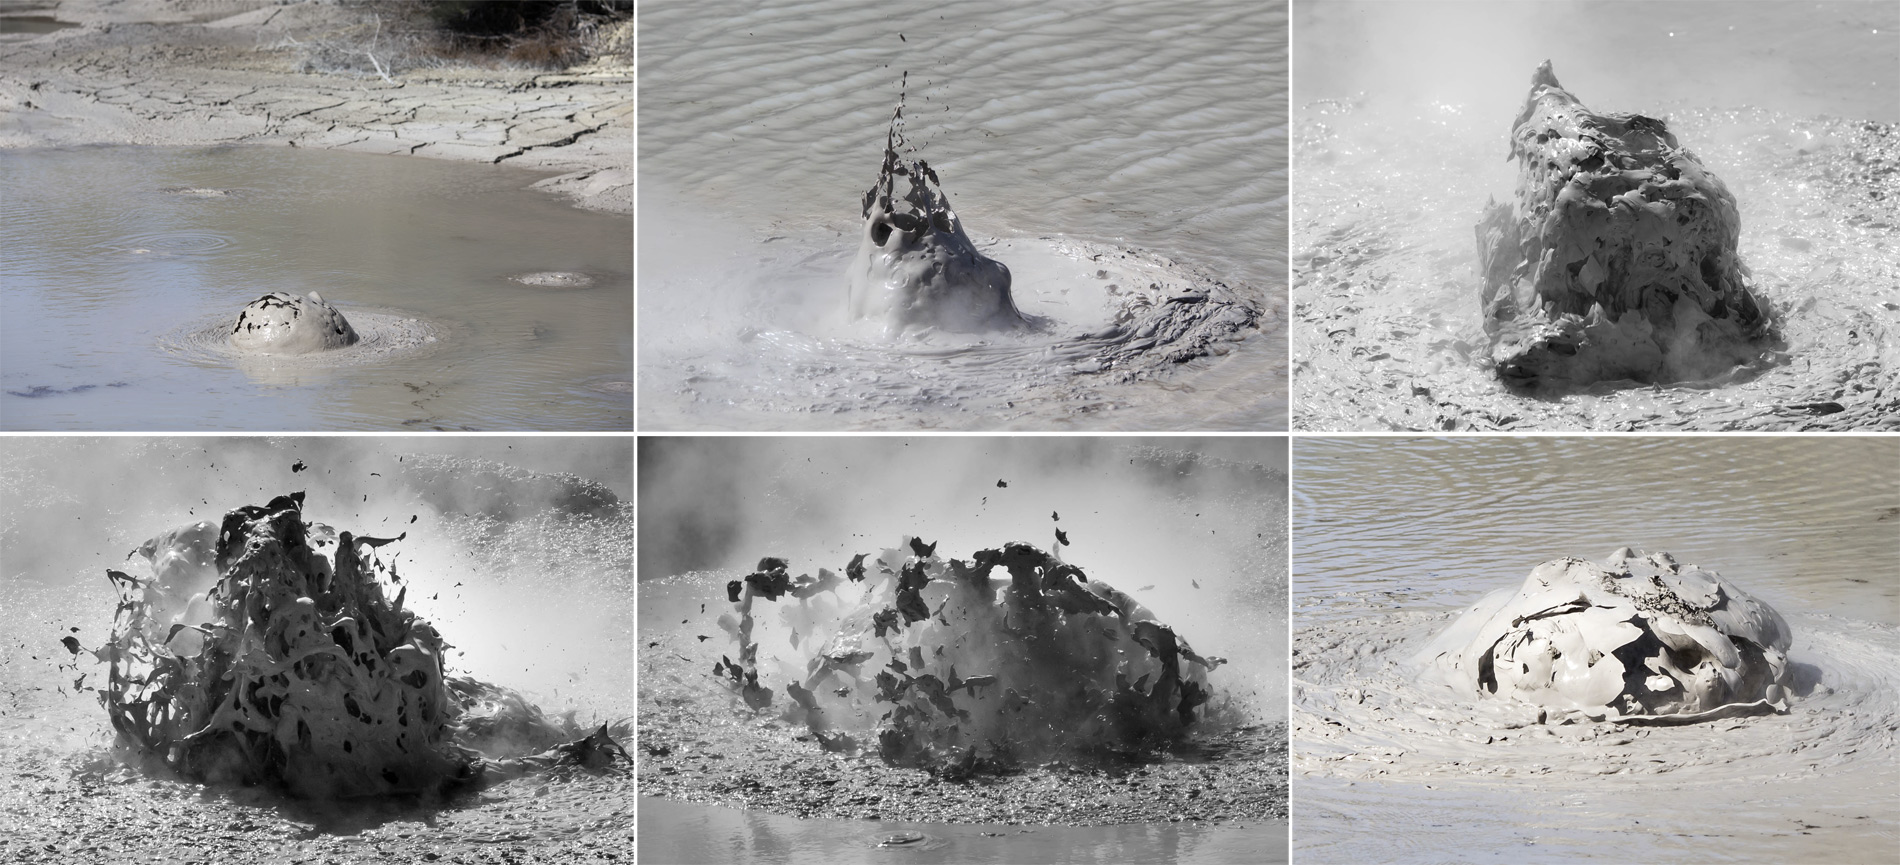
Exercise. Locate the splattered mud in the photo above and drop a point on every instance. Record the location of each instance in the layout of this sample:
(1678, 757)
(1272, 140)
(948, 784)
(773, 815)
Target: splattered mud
(483, 537)
(1191, 530)
(1144, 234)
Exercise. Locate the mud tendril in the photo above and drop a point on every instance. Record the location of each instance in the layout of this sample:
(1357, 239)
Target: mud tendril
(296, 671)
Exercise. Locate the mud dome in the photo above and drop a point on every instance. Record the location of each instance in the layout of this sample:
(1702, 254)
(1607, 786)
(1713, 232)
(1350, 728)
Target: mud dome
(304, 676)
(1637, 639)
(378, 337)
(1049, 664)
(1617, 260)
(282, 323)
(915, 266)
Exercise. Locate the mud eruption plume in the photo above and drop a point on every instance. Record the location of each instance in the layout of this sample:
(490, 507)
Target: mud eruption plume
(961, 665)
(1618, 258)
(1637, 639)
(915, 266)
(302, 674)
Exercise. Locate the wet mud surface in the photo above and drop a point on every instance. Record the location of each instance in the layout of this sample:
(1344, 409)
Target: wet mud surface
(1400, 541)
(221, 73)
(1388, 321)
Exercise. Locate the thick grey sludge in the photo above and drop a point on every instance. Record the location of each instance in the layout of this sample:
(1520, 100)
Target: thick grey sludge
(1636, 639)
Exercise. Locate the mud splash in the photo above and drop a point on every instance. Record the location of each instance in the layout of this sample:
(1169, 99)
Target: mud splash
(303, 676)
(1617, 259)
(915, 266)
(1053, 663)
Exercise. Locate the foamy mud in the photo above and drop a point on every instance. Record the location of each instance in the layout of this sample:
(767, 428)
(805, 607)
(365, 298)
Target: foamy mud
(526, 572)
(1140, 234)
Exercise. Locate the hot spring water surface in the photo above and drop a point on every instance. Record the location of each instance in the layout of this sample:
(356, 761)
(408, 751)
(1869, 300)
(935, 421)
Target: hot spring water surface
(124, 266)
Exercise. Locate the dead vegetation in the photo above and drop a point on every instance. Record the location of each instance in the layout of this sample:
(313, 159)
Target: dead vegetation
(387, 39)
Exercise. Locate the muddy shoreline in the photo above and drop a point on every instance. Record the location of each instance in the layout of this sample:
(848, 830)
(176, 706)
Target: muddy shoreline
(203, 73)
(697, 744)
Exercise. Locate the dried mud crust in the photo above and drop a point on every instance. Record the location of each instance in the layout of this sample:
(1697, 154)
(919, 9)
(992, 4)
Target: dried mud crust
(1385, 336)
(210, 75)
(697, 744)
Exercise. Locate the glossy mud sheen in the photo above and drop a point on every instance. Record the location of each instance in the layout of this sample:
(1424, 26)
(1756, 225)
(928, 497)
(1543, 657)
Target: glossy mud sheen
(123, 272)
(1395, 538)
(1069, 140)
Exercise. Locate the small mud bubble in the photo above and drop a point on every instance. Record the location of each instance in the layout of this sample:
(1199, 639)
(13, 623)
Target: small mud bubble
(902, 839)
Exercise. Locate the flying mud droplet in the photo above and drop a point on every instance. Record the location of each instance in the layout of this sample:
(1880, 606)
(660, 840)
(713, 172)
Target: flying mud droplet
(915, 266)
(1637, 639)
(1617, 261)
(285, 323)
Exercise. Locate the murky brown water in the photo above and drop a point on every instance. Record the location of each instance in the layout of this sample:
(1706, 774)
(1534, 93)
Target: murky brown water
(1393, 537)
(118, 259)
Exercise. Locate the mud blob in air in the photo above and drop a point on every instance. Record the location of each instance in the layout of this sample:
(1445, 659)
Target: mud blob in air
(1637, 639)
(284, 323)
(936, 663)
(295, 670)
(1617, 259)
(915, 266)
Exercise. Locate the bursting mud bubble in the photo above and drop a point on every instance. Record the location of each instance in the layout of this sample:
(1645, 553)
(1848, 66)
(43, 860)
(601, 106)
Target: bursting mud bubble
(284, 323)
(1617, 260)
(915, 266)
(1012, 656)
(1638, 639)
(296, 671)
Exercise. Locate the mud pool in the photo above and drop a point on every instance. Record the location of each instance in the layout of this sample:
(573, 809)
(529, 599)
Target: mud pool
(1119, 159)
(1395, 537)
(1790, 104)
(681, 833)
(124, 267)
(516, 552)
(1191, 530)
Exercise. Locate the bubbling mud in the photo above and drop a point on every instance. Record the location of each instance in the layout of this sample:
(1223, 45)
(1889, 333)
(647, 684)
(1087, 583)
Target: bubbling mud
(380, 336)
(554, 279)
(1636, 639)
(915, 266)
(934, 664)
(1617, 260)
(285, 323)
(296, 671)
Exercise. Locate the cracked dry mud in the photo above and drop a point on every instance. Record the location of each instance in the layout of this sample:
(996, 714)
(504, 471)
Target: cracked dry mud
(200, 73)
